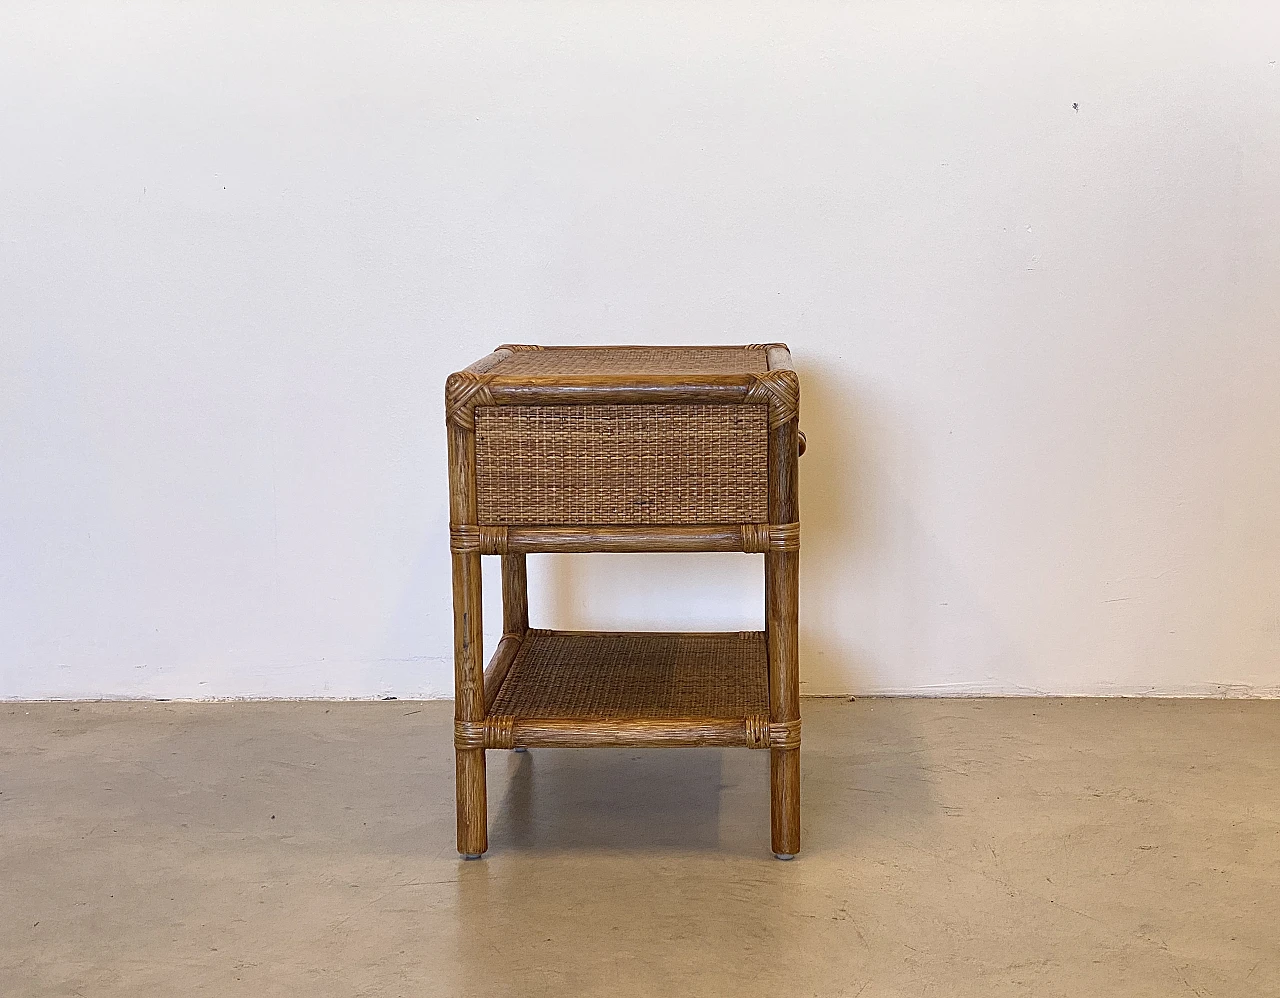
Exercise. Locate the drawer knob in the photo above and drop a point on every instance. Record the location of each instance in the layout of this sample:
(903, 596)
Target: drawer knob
(801, 444)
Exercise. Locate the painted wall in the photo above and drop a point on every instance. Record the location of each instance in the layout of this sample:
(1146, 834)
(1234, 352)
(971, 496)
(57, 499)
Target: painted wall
(1027, 257)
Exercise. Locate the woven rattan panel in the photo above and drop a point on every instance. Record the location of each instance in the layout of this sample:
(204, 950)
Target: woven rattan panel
(634, 360)
(622, 464)
(650, 675)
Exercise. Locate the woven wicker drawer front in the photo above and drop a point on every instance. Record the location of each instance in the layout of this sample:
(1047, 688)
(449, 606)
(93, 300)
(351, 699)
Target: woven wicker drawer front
(622, 464)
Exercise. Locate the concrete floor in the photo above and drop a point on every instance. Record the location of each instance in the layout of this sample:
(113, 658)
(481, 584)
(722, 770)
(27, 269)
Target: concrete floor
(952, 848)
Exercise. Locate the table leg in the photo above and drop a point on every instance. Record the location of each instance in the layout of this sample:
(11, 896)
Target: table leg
(515, 601)
(515, 594)
(782, 625)
(784, 699)
(468, 650)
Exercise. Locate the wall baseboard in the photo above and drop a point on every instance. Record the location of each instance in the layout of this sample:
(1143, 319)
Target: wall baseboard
(942, 691)
(1201, 691)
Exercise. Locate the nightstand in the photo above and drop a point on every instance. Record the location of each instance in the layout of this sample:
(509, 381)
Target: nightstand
(577, 449)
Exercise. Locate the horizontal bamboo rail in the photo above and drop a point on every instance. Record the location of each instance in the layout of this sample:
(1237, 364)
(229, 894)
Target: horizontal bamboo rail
(504, 732)
(496, 671)
(753, 538)
(620, 390)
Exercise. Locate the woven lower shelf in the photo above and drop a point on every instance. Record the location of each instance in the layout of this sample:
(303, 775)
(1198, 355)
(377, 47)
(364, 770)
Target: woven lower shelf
(587, 688)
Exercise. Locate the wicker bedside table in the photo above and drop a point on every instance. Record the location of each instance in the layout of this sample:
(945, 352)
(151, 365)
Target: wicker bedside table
(624, 449)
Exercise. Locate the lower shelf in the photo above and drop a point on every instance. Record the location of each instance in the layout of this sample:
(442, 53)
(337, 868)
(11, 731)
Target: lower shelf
(586, 688)
(637, 675)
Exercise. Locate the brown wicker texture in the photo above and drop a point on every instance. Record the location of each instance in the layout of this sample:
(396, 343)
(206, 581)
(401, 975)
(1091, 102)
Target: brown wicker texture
(577, 361)
(622, 464)
(565, 674)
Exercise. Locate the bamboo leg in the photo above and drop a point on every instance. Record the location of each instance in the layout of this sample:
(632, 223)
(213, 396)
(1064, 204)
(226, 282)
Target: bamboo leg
(782, 627)
(515, 594)
(515, 600)
(473, 819)
(468, 649)
(784, 701)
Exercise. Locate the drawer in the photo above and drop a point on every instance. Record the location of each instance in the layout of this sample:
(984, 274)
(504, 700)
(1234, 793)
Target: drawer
(622, 464)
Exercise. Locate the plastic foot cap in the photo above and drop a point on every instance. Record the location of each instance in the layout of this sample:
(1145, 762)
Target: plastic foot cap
(784, 855)
(476, 855)
(519, 748)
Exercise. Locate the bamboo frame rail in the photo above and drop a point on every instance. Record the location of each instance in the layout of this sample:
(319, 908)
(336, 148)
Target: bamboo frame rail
(502, 731)
(752, 538)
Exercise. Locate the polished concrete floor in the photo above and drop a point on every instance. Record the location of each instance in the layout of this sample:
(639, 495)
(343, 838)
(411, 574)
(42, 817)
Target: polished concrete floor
(952, 848)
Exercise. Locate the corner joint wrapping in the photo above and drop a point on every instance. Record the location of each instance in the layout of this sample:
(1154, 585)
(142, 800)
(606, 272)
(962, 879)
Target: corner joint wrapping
(495, 732)
(464, 391)
(781, 391)
(760, 538)
(464, 537)
(762, 733)
(784, 734)
(467, 537)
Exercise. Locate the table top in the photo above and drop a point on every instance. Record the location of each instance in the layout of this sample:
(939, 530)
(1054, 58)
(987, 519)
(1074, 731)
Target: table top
(624, 375)
(630, 361)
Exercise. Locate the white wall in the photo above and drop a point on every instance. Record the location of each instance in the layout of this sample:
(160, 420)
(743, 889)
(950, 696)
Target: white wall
(242, 243)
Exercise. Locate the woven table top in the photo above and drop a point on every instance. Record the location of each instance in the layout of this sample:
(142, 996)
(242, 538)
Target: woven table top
(632, 360)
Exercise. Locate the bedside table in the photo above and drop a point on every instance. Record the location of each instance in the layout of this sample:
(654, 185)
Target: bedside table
(576, 449)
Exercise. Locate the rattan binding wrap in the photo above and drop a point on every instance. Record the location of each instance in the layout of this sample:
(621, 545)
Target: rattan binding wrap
(636, 676)
(622, 464)
(493, 732)
(763, 537)
(781, 390)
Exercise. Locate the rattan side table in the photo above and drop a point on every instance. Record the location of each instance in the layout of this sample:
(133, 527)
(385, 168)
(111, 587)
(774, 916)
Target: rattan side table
(577, 449)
